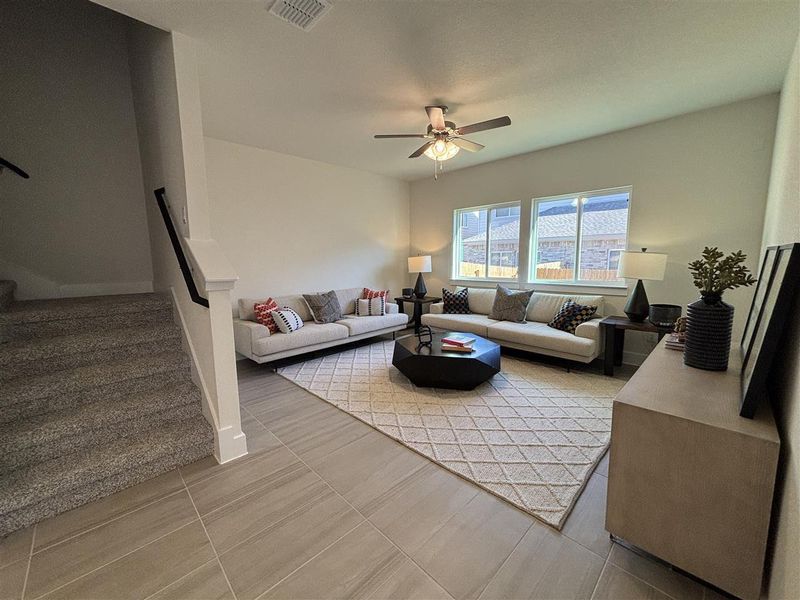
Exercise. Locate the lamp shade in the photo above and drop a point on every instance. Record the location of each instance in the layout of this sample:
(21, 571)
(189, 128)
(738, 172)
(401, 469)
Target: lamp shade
(642, 265)
(419, 264)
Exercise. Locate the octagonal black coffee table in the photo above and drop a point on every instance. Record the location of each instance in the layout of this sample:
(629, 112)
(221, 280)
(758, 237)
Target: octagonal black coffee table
(434, 367)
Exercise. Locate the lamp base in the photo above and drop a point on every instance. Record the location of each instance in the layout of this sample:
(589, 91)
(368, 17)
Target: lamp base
(637, 308)
(420, 291)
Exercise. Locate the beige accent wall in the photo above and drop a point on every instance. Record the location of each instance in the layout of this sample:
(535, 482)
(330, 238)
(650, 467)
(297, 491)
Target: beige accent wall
(77, 226)
(698, 179)
(293, 225)
(782, 226)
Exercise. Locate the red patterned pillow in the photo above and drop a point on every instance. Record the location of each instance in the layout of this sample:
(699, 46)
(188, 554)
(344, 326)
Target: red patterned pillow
(263, 316)
(368, 294)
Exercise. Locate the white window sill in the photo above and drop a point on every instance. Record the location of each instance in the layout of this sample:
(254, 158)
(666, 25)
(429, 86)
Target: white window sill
(568, 288)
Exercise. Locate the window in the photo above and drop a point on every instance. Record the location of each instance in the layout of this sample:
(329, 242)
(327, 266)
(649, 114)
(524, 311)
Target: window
(577, 238)
(486, 242)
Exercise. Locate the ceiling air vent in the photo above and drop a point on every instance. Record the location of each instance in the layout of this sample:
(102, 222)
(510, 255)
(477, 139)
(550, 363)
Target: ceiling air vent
(300, 13)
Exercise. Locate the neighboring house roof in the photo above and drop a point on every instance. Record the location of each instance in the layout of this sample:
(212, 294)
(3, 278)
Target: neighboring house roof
(559, 225)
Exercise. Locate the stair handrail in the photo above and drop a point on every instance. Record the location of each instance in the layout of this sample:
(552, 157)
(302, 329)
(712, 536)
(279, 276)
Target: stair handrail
(178, 248)
(5, 164)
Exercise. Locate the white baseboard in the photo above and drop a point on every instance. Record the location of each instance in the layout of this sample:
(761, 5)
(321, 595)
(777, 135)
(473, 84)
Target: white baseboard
(105, 289)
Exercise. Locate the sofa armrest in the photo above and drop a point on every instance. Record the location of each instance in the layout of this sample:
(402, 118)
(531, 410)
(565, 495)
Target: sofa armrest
(246, 333)
(589, 330)
(392, 308)
(437, 308)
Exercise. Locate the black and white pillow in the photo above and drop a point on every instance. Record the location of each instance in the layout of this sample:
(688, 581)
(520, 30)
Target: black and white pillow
(287, 320)
(455, 303)
(571, 315)
(371, 307)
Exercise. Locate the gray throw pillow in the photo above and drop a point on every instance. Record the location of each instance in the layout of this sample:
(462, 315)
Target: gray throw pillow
(325, 308)
(510, 305)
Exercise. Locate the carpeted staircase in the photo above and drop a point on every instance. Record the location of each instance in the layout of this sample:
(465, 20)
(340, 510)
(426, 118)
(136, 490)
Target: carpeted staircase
(96, 396)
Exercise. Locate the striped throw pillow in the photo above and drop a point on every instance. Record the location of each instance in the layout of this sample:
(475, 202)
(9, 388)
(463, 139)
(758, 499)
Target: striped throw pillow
(368, 294)
(371, 308)
(263, 316)
(287, 319)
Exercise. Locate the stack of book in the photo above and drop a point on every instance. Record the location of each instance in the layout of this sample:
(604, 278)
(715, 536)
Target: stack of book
(674, 342)
(458, 343)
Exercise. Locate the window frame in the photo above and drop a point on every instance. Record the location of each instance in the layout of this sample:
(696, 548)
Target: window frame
(457, 246)
(534, 238)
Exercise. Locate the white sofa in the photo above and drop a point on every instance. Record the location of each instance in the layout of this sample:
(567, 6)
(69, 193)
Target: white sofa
(254, 340)
(534, 335)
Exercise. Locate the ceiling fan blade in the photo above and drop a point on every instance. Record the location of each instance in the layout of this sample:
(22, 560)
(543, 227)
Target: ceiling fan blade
(382, 136)
(419, 151)
(467, 145)
(484, 125)
(436, 116)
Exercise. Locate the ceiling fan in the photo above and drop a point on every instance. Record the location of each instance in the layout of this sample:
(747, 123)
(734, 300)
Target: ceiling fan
(444, 138)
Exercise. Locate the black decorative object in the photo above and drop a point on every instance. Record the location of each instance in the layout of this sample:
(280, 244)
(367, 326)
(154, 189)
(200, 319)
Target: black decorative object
(664, 315)
(424, 337)
(709, 321)
(709, 325)
(420, 291)
(780, 284)
(408, 292)
(640, 265)
(637, 307)
(434, 367)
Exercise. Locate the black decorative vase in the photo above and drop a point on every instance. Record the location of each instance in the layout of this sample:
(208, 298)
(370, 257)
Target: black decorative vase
(709, 323)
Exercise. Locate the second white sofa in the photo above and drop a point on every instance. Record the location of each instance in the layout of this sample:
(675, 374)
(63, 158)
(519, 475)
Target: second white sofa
(254, 340)
(534, 335)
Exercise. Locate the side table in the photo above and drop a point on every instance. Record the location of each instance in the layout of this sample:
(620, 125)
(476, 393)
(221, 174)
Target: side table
(614, 329)
(417, 302)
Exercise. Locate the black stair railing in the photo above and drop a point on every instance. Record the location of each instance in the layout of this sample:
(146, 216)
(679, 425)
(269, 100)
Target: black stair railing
(4, 164)
(176, 246)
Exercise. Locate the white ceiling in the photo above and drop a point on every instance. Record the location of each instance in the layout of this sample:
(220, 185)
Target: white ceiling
(562, 70)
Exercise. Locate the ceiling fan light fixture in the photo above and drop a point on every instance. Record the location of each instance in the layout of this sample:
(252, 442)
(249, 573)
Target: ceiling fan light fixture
(442, 150)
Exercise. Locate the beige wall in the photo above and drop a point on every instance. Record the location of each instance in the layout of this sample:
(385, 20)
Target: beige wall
(698, 179)
(77, 226)
(782, 226)
(293, 225)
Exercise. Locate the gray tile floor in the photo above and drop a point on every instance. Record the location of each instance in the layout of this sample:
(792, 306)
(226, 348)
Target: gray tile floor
(323, 507)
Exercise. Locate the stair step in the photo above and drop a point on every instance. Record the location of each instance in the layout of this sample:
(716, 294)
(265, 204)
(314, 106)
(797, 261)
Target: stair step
(56, 309)
(47, 436)
(23, 330)
(20, 358)
(27, 397)
(43, 490)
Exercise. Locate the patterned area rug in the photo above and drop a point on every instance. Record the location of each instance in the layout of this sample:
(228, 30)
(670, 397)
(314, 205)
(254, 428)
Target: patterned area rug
(531, 435)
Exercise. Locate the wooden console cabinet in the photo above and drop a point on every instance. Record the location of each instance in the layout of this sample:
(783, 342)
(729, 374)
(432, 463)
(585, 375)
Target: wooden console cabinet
(690, 481)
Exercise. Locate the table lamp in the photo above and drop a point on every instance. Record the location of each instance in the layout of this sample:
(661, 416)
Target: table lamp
(640, 265)
(419, 264)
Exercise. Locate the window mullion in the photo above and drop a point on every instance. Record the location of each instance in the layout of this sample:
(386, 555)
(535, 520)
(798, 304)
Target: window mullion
(578, 224)
(488, 242)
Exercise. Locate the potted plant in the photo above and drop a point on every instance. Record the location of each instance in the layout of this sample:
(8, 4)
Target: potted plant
(709, 320)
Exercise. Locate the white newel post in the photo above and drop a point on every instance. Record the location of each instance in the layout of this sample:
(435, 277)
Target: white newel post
(218, 279)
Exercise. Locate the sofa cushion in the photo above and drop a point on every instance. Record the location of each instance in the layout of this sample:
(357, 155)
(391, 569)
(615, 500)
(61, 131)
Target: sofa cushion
(324, 307)
(455, 303)
(362, 325)
(368, 294)
(480, 299)
(347, 299)
(295, 302)
(510, 305)
(310, 334)
(473, 323)
(539, 335)
(543, 307)
(263, 312)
